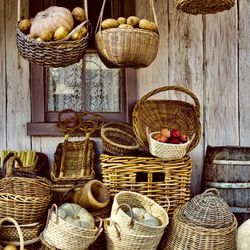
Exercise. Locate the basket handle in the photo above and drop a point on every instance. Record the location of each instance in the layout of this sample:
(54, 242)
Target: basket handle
(110, 222)
(98, 25)
(131, 223)
(6, 160)
(211, 191)
(176, 88)
(20, 234)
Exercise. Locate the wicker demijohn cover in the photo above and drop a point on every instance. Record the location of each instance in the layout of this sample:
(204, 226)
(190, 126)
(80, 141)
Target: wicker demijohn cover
(203, 7)
(119, 47)
(157, 114)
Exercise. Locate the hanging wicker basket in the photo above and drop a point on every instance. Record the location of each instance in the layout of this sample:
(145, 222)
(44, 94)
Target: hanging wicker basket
(55, 53)
(204, 7)
(119, 47)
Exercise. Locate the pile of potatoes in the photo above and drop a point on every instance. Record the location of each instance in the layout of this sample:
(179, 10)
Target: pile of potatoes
(54, 24)
(129, 23)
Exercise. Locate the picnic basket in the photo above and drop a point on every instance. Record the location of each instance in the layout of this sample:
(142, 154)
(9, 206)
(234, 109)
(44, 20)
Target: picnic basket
(157, 114)
(24, 199)
(55, 53)
(118, 47)
(124, 232)
(118, 139)
(204, 7)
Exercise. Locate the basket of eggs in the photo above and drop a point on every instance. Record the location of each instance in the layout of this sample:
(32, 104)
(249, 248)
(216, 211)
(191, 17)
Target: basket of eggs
(55, 37)
(168, 143)
(127, 42)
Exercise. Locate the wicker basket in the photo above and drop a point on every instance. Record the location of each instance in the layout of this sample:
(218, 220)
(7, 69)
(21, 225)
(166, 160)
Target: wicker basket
(192, 237)
(153, 177)
(123, 232)
(204, 7)
(31, 232)
(157, 114)
(118, 142)
(17, 228)
(118, 47)
(63, 235)
(24, 199)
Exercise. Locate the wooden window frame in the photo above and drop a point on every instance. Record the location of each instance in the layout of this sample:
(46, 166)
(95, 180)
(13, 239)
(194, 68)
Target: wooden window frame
(43, 122)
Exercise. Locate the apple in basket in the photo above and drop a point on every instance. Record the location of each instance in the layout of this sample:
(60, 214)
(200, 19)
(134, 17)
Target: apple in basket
(173, 136)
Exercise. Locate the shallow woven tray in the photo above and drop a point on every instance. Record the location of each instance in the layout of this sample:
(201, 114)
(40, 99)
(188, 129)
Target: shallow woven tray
(204, 7)
(157, 114)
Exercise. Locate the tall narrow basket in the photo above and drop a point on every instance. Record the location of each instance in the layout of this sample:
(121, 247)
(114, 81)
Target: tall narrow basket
(204, 7)
(119, 47)
(157, 114)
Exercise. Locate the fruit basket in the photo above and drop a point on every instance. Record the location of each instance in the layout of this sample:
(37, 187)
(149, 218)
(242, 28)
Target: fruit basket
(173, 114)
(127, 43)
(59, 53)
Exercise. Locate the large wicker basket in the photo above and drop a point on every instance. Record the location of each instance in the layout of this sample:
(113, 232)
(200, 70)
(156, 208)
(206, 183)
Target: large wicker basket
(157, 178)
(157, 114)
(119, 47)
(203, 7)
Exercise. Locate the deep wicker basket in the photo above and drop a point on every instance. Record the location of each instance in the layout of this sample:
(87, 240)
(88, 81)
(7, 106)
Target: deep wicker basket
(51, 54)
(204, 7)
(116, 141)
(119, 47)
(157, 114)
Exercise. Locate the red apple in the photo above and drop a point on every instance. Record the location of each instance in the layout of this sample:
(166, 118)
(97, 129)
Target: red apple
(174, 141)
(184, 138)
(175, 133)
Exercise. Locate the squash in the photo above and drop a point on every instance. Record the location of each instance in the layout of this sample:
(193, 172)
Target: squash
(243, 237)
(76, 215)
(51, 19)
(144, 217)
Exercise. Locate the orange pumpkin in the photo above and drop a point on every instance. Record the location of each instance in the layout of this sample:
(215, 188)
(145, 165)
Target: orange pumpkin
(51, 19)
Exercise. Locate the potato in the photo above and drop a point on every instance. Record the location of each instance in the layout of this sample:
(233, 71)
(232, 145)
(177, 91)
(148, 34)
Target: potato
(109, 23)
(145, 24)
(155, 28)
(133, 20)
(60, 33)
(39, 39)
(31, 36)
(125, 26)
(46, 35)
(24, 25)
(122, 20)
(79, 14)
(79, 34)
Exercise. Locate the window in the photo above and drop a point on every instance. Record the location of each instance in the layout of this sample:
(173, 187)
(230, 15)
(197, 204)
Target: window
(85, 86)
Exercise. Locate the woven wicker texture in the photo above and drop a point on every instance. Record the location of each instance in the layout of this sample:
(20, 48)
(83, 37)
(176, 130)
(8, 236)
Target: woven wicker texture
(24, 199)
(204, 7)
(157, 114)
(17, 227)
(119, 139)
(167, 150)
(31, 232)
(153, 177)
(123, 232)
(119, 47)
(208, 210)
(52, 54)
(192, 237)
(63, 235)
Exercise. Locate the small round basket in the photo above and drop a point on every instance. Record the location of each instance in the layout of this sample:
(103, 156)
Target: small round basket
(118, 142)
(167, 150)
(203, 7)
(132, 47)
(51, 54)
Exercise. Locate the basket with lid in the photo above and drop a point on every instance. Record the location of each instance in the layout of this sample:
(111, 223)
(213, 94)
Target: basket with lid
(59, 53)
(205, 222)
(127, 47)
(173, 114)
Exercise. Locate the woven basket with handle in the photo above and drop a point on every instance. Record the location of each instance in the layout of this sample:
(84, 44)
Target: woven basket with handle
(119, 47)
(157, 114)
(56, 53)
(204, 7)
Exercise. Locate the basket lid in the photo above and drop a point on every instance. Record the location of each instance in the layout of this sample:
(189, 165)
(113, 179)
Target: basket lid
(208, 210)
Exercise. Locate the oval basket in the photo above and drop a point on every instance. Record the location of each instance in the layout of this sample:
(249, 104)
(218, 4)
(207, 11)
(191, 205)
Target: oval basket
(157, 114)
(204, 7)
(119, 47)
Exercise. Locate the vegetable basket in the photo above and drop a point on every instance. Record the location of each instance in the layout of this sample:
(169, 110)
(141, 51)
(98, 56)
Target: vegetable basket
(204, 7)
(24, 199)
(124, 232)
(55, 53)
(173, 114)
(119, 47)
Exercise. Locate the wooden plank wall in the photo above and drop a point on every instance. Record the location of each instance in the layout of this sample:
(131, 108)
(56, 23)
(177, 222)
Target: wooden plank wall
(210, 55)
